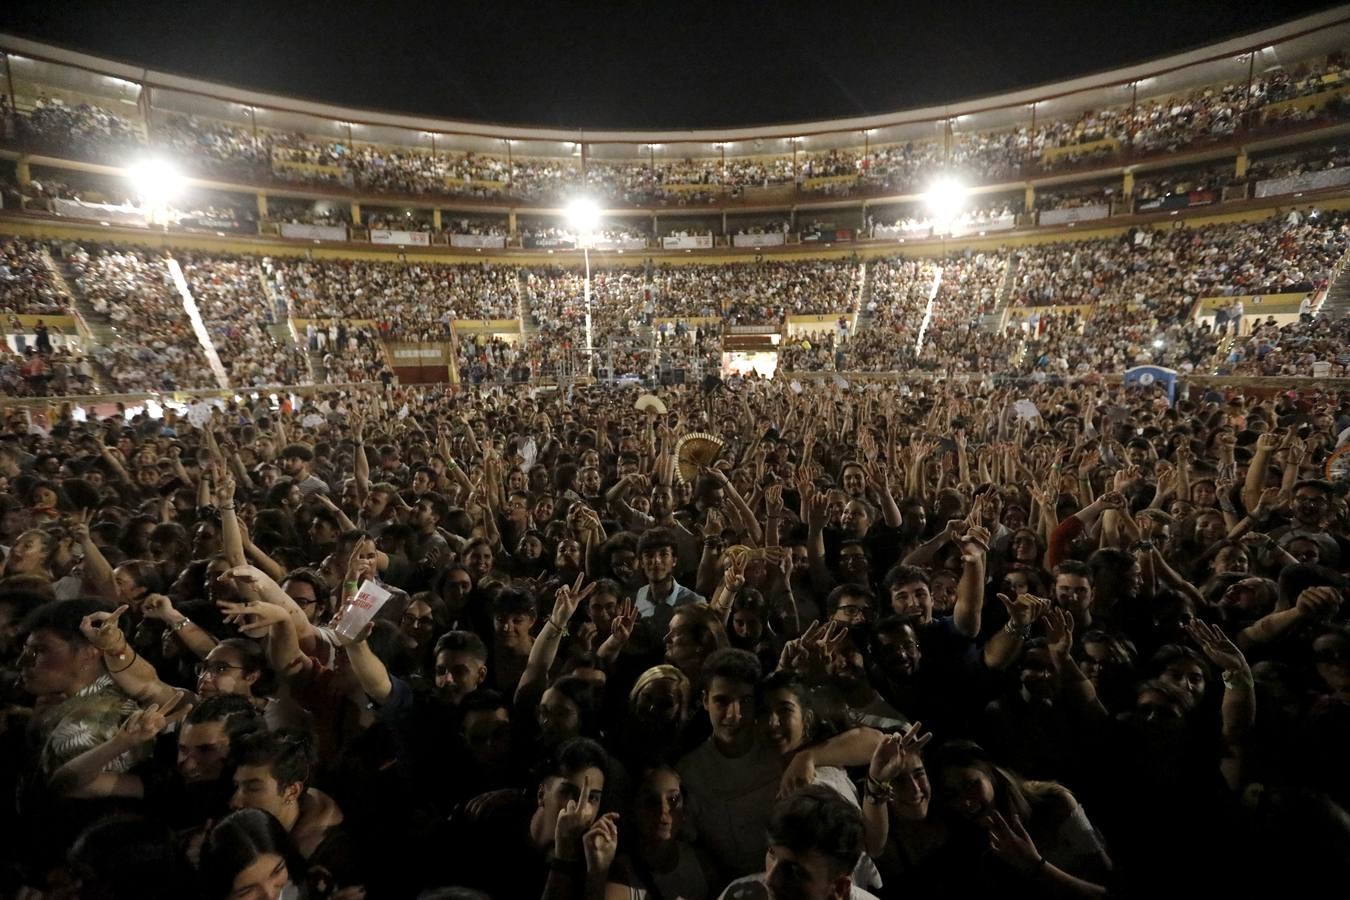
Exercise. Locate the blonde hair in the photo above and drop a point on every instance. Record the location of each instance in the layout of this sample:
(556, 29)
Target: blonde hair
(663, 672)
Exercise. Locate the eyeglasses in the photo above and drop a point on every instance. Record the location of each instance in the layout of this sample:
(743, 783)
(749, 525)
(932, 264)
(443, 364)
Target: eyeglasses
(215, 669)
(419, 621)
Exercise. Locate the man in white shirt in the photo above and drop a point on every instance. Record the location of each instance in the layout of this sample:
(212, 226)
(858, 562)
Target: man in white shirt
(657, 600)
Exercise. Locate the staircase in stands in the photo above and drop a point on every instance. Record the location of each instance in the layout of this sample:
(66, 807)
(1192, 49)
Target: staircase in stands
(1337, 301)
(992, 322)
(102, 333)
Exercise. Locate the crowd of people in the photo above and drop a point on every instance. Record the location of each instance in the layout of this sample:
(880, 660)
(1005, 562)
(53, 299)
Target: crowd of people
(1148, 125)
(408, 301)
(153, 344)
(915, 640)
(237, 312)
(27, 284)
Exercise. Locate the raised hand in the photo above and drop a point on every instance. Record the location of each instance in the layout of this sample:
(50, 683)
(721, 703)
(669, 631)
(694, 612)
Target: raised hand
(573, 821)
(1268, 502)
(103, 631)
(713, 524)
(144, 725)
(797, 653)
(1216, 646)
(600, 843)
(1010, 841)
(875, 476)
(1318, 603)
(224, 490)
(974, 543)
(567, 599)
(888, 760)
(253, 614)
(733, 576)
(1112, 500)
(818, 511)
(157, 607)
(1058, 633)
(1025, 609)
(773, 501)
(625, 620)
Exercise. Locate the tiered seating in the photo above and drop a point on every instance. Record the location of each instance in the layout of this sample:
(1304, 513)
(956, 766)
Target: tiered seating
(27, 284)
(409, 301)
(237, 311)
(155, 346)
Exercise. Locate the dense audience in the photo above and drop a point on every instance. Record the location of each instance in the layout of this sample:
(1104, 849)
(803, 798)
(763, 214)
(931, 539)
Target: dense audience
(922, 640)
(153, 344)
(27, 284)
(409, 301)
(1147, 126)
(237, 312)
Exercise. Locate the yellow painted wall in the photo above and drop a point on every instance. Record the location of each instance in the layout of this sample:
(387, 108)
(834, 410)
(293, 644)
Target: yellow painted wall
(65, 323)
(1269, 303)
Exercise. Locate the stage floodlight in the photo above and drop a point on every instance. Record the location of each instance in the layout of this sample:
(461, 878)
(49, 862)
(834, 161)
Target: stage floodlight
(945, 199)
(583, 214)
(155, 181)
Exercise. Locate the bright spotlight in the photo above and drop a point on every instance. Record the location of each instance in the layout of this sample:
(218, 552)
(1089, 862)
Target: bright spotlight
(945, 198)
(1158, 344)
(583, 214)
(155, 181)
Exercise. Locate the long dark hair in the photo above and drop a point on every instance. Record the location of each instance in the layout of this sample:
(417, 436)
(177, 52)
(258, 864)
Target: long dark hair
(236, 843)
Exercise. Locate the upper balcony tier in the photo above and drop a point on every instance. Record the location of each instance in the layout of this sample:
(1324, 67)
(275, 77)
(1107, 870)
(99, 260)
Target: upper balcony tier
(1291, 79)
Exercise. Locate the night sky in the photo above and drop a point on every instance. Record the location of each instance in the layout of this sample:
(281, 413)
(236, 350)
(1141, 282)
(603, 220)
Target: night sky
(671, 64)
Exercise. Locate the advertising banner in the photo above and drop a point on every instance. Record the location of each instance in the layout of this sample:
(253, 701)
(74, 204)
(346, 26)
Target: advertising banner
(687, 242)
(1177, 201)
(827, 235)
(123, 215)
(549, 243)
(386, 236)
(775, 239)
(623, 243)
(314, 232)
(1075, 214)
(1308, 181)
(484, 241)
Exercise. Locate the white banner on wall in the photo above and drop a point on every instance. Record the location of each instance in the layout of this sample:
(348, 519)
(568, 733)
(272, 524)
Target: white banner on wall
(626, 243)
(123, 215)
(1075, 214)
(1308, 181)
(975, 226)
(774, 239)
(488, 241)
(687, 242)
(385, 236)
(314, 232)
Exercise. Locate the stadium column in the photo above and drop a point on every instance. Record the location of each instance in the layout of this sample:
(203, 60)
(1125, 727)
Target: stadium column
(1127, 185)
(1029, 202)
(262, 206)
(1240, 166)
(436, 219)
(511, 222)
(356, 214)
(21, 172)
